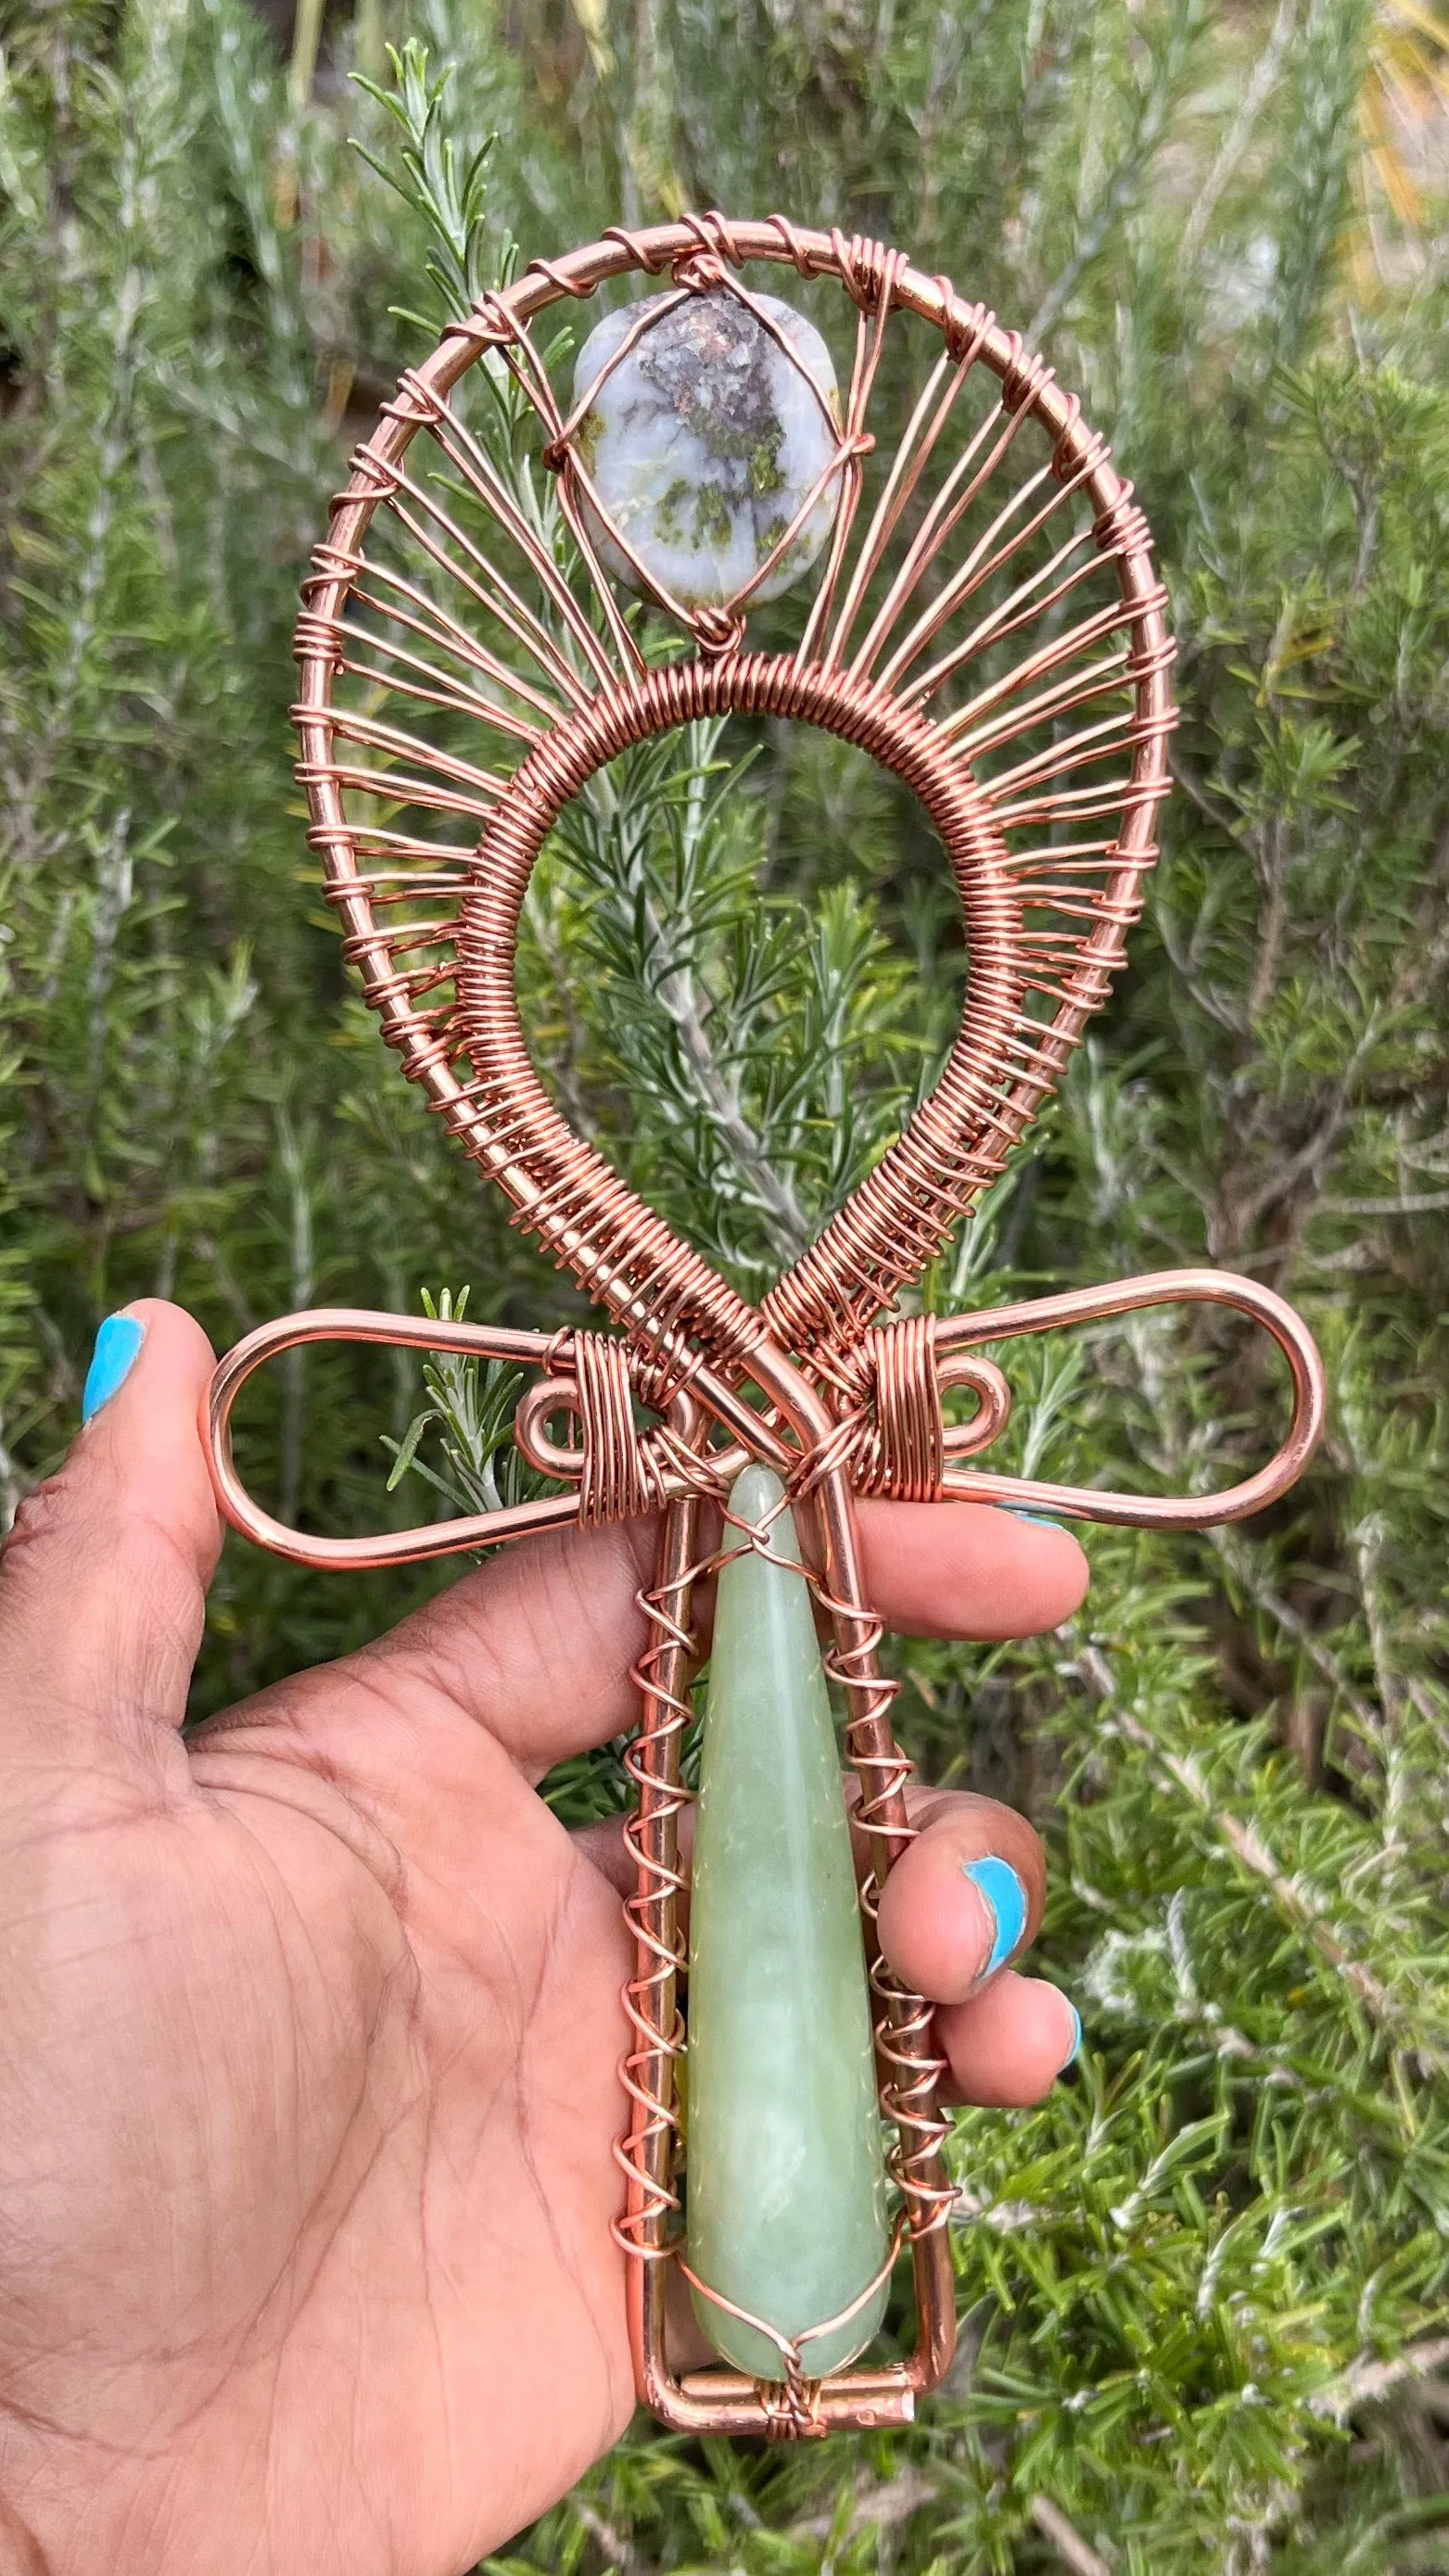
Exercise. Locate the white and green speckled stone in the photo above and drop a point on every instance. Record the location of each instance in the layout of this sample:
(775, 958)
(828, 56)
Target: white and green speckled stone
(704, 442)
(785, 2193)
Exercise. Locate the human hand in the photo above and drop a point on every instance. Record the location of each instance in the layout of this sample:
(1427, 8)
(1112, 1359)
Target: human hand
(310, 2023)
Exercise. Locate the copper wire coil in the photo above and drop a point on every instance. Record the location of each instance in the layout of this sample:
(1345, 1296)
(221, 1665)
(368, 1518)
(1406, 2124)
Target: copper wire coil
(904, 1212)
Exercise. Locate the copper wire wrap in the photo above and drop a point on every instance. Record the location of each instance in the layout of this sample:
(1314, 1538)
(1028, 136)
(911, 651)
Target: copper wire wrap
(907, 1457)
(614, 1485)
(984, 622)
(556, 671)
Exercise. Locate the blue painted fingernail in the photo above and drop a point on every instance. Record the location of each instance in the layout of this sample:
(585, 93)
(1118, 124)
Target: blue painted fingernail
(1071, 2055)
(112, 1361)
(1043, 1520)
(997, 1882)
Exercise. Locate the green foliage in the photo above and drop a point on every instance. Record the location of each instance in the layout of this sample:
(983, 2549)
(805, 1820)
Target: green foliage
(779, 1042)
(453, 202)
(1204, 2286)
(470, 1408)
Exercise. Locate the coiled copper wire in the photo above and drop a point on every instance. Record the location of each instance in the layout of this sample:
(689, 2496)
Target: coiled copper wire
(904, 1212)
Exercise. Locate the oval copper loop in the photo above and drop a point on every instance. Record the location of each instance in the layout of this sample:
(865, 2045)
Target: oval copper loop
(389, 1547)
(567, 1194)
(1133, 1296)
(754, 1437)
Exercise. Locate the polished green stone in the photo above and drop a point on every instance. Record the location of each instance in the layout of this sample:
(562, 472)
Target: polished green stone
(786, 2189)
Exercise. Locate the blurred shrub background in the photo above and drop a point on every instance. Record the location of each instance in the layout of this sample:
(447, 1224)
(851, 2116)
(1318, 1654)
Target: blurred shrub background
(1204, 2288)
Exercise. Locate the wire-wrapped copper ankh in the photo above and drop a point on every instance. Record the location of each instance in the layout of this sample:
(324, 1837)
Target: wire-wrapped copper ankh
(985, 624)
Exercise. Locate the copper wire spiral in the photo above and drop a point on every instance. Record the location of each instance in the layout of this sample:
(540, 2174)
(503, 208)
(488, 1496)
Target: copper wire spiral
(989, 629)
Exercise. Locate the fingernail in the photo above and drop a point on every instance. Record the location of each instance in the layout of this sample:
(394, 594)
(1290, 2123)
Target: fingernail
(1071, 2055)
(112, 1361)
(1043, 1520)
(1004, 1897)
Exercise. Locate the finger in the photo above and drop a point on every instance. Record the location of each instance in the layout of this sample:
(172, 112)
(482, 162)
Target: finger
(1009, 2039)
(538, 1645)
(1007, 2046)
(969, 1570)
(103, 1578)
(604, 1847)
(964, 1899)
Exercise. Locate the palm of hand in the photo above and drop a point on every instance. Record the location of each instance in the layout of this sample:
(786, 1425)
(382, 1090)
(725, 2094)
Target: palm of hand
(308, 2060)
(339, 2236)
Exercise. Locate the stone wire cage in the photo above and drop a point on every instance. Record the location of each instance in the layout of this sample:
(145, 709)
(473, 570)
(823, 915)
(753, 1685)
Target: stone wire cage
(968, 598)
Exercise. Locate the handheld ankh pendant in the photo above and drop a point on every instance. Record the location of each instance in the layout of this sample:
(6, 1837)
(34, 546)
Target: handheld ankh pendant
(977, 611)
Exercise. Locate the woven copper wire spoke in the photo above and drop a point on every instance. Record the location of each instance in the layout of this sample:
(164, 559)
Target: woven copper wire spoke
(427, 617)
(483, 589)
(435, 626)
(353, 725)
(532, 379)
(339, 637)
(922, 434)
(869, 345)
(464, 564)
(483, 481)
(946, 513)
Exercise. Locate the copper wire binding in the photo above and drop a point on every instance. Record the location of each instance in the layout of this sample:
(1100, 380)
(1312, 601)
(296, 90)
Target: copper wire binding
(986, 623)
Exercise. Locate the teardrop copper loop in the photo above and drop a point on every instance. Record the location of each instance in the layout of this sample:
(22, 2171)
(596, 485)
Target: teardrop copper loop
(905, 1211)
(989, 628)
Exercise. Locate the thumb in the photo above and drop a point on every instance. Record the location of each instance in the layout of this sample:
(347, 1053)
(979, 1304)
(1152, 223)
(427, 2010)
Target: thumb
(103, 1578)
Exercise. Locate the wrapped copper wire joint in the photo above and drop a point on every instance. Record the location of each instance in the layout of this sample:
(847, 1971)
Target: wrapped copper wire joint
(978, 611)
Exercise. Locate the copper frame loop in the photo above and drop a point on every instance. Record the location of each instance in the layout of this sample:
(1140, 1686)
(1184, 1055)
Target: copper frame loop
(1136, 1296)
(1049, 855)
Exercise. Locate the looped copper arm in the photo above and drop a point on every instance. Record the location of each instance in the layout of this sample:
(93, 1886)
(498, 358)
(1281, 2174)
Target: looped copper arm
(388, 1547)
(477, 1529)
(1133, 1296)
(955, 1337)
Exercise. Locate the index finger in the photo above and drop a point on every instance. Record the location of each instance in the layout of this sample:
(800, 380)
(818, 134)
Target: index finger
(538, 1645)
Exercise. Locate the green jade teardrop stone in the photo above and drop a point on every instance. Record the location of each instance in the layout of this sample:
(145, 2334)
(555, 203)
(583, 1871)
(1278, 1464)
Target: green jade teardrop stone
(785, 2182)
